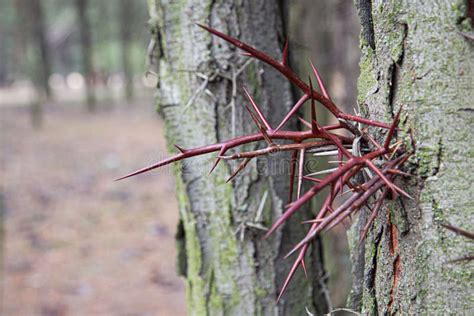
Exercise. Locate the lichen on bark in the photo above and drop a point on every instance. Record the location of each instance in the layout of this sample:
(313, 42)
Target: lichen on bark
(420, 61)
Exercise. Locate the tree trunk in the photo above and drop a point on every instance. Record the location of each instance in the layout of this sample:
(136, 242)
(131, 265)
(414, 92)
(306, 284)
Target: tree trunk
(38, 32)
(126, 21)
(414, 56)
(329, 33)
(328, 30)
(33, 19)
(86, 52)
(229, 268)
(2, 247)
(4, 55)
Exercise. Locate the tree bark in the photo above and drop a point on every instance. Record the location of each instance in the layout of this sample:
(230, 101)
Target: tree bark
(86, 52)
(229, 268)
(414, 56)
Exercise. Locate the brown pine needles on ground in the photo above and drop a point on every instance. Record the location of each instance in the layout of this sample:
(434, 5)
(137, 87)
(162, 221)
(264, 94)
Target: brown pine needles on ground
(360, 153)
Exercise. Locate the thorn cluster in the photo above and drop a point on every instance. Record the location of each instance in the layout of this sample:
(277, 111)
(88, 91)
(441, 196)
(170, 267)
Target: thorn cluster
(358, 156)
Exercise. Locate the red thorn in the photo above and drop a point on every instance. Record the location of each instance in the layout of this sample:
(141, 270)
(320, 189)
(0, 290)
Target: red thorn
(330, 209)
(373, 215)
(341, 212)
(336, 141)
(260, 127)
(458, 231)
(362, 120)
(291, 76)
(304, 268)
(218, 159)
(314, 125)
(289, 204)
(396, 171)
(302, 243)
(180, 148)
(404, 193)
(259, 113)
(312, 179)
(339, 156)
(288, 279)
(309, 194)
(304, 122)
(290, 211)
(395, 189)
(154, 166)
(357, 200)
(216, 162)
(293, 110)
(242, 165)
(391, 131)
(291, 273)
(320, 81)
(373, 141)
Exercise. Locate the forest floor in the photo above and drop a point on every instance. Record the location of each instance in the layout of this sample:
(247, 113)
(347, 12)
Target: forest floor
(76, 242)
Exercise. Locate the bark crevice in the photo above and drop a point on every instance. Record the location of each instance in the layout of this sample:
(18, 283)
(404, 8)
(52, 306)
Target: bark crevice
(371, 275)
(365, 13)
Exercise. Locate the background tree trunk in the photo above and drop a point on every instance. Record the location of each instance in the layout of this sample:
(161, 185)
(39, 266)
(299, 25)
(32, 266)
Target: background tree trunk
(86, 51)
(38, 32)
(229, 270)
(414, 56)
(35, 28)
(126, 21)
(328, 32)
(2, 245)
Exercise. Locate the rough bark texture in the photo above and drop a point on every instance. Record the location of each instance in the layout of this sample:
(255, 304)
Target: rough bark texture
(228, 272)
(414, 56)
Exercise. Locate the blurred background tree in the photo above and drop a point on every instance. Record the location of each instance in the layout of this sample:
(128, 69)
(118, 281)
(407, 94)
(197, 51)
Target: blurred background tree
(58, 46)
(86, 52)
(56, 193)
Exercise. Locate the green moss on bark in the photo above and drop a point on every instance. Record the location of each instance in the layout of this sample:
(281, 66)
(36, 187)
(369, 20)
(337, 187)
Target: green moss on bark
(367, 80)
